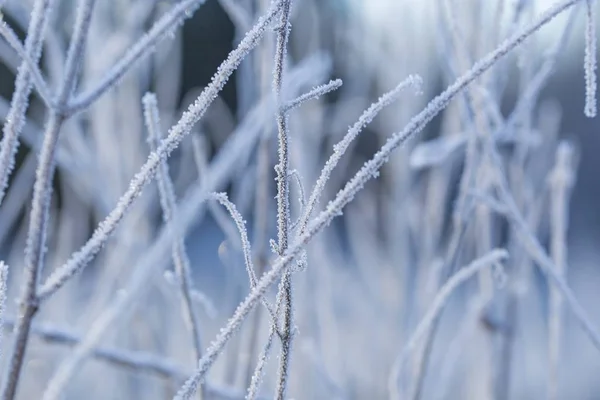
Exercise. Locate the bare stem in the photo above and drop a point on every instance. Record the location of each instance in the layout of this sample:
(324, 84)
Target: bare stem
(283, 199)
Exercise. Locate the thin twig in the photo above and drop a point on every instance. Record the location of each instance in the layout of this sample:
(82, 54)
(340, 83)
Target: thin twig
(283, 199)
(257, 376)
(590, 63)
(315, 93)
(18, 107)
(42, 194)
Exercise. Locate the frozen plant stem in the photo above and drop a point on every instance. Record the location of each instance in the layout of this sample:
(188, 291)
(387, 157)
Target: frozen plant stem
(12, 39)
(283, 199)
(340, 148)
(590, 63)
(258, 373)
(42, 194)
(168, 204)
(561, 183)
(315, 93)
(368, 171)
(15, 120)
(263, 358)
(246, 248)
(123, 303)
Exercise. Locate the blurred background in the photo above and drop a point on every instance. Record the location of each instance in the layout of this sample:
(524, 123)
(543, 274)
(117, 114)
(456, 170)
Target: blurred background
(372, 274)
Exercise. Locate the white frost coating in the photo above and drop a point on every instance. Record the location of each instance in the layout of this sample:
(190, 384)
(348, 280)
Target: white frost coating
(590, 63)
(198, 296)
(241, 226)
(145, 46)
(315, 93)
